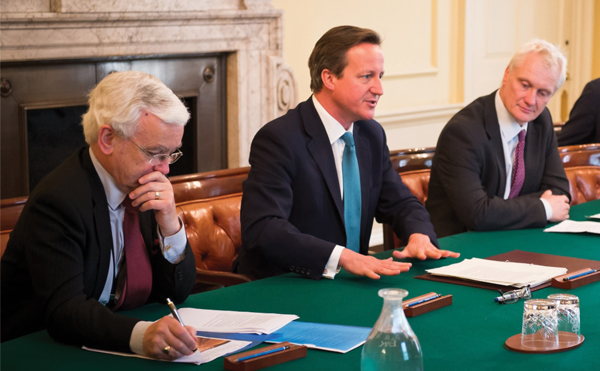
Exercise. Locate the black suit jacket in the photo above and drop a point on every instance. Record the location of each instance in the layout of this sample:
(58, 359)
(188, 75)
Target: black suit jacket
(583, 126)
(468, 175)
(57, 260)
(292, 212)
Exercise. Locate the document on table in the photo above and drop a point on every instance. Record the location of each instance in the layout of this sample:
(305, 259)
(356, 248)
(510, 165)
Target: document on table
(500, 273)
(571, 226)
(334, 338)
(234, 322)
(208, 350)
(597, 216)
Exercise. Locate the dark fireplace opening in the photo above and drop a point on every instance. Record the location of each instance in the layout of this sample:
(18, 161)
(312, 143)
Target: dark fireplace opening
(42, 105)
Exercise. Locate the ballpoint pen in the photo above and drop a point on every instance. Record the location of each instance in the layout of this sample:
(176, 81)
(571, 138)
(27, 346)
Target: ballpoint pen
(424, 300)
(270, 351)
(580, 275)
(174, 311)
(175, 314)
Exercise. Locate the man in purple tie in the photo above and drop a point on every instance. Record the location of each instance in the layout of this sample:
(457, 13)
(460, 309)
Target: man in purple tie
(101, 233)
(496, 164)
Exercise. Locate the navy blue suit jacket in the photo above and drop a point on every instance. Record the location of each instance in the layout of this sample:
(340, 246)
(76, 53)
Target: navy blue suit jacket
(468, 176)
(292, 212)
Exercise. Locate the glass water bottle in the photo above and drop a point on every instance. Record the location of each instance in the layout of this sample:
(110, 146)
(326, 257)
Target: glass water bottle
(392, 344)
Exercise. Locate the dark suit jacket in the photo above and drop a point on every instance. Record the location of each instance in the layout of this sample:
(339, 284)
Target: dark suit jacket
(292, 212)
(583, 126)
(57, 261)
(468, 175)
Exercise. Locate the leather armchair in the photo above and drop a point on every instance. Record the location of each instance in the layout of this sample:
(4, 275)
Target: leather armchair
(584, 183)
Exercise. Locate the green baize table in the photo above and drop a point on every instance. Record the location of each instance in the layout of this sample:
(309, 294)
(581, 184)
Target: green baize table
(467, 335)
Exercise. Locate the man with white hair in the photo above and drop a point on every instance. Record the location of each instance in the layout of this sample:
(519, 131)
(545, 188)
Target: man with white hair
(101, 233)
(496, 164)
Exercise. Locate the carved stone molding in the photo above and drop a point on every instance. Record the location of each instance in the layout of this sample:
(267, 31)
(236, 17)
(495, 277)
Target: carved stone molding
(260, 87)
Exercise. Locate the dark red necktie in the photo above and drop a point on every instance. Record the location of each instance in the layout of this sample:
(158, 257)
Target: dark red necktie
(518, 173)
(137, 269)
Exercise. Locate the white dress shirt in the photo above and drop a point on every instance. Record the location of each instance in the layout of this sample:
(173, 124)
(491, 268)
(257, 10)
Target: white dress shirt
(334, 130)
(509, 130)
(174, 246)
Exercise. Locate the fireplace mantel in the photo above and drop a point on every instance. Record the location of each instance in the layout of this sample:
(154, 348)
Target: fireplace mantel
(260, 87)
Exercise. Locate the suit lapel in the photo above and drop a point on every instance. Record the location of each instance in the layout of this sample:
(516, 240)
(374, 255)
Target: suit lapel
(492, 128)
(101, 223)
(320, 149)
(534, 150)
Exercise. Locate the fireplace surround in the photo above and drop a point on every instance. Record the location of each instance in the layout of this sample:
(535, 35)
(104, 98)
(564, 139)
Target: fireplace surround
(246, 34)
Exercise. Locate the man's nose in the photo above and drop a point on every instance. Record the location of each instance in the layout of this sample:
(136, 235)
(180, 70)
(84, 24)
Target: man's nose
(530, 97)
(377, 87)
(163, 167)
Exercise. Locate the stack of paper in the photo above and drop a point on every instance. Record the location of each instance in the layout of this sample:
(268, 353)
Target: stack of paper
(571, 226)
(500, 273)
(234, 322)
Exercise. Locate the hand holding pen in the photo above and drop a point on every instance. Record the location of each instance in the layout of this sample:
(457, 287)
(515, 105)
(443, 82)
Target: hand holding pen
(168, 339)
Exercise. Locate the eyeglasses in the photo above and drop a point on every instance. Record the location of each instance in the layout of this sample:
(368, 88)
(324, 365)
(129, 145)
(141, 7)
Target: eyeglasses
(160, 158)
(513, 296)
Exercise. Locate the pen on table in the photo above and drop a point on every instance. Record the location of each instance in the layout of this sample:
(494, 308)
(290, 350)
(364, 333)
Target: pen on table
(270, 351)
(424, 300)
(175, 314)
(580, 275)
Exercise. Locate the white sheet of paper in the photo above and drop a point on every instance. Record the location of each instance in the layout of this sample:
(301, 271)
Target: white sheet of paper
(597, 216)
(234, 322)
(500, 273)
(197, 358)
(571, 226)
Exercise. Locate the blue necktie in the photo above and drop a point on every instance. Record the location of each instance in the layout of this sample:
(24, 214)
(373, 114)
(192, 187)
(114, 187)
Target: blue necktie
(352, 199)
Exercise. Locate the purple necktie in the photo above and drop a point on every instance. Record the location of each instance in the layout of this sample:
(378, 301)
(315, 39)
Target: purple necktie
(136, 269)
(518, 173)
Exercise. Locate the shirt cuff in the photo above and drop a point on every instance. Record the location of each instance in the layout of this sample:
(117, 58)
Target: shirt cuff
(136, 342)
(331, 269)
(547, 207)
(173, 247)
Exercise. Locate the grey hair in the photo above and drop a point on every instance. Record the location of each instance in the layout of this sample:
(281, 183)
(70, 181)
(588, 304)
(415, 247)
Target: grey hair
(120, 99)
(553, 58)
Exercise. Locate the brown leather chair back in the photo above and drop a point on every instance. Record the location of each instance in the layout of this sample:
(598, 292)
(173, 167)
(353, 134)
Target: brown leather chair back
(213, 230)
(209, 184)
(10, 211)
(412, 159)
(418, 183)
(585, 157)
(584, 183)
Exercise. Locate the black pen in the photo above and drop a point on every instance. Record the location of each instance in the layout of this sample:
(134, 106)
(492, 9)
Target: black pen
(174, 311)
(580, 275)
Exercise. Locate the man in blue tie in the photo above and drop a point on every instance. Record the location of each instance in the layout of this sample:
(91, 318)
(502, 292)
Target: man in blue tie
(496, 164)
(321, 173)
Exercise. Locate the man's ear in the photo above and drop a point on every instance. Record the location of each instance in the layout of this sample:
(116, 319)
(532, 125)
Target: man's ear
(328, 79)
(106, 139)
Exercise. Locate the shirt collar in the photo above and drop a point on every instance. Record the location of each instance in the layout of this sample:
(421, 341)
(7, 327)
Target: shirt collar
(114, 196)
(332, 126)
(509, 127)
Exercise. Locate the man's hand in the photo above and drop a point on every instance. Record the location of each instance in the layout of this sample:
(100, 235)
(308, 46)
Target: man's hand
(559, 204)
(168, 332)
(145, 198)
(420, 247)
(364, 265)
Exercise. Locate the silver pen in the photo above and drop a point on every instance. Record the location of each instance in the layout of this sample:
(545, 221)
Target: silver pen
(174, 311)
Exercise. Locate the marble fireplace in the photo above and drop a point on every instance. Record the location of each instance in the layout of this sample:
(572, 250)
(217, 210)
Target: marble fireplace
(237, 41)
